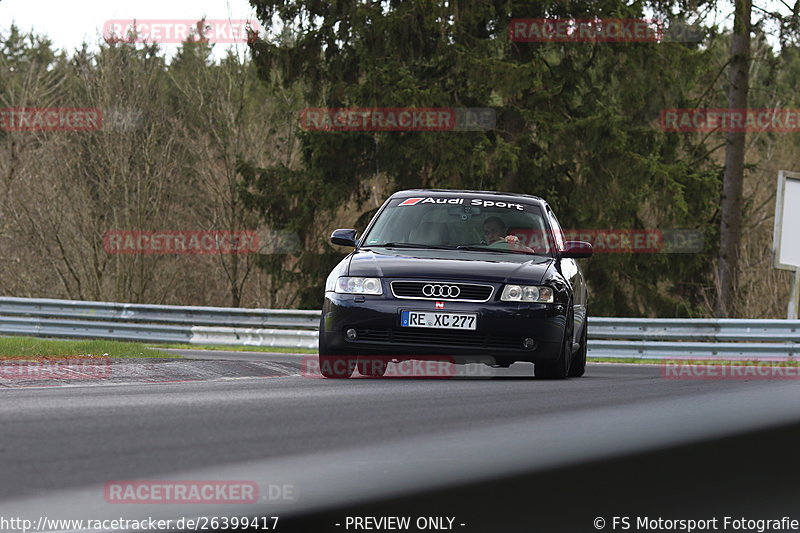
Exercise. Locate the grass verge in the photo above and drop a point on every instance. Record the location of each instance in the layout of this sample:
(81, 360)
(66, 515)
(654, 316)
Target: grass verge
(228, 348)
(699, 361)
(31, 347)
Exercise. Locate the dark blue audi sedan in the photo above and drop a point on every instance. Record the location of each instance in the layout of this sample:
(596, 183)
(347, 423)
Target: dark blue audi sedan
(471, 275)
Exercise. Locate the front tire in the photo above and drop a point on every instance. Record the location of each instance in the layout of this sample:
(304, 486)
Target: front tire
(337, 366)
(578, 366)
(374, 367)
(560, 368)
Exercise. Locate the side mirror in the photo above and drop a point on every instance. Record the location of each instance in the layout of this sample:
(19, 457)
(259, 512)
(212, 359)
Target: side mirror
(576, 250)
(344, 237)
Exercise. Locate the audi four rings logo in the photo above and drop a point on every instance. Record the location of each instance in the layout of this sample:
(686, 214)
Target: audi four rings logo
(441, 291)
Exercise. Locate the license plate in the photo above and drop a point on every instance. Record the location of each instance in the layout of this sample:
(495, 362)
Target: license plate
(423, 319)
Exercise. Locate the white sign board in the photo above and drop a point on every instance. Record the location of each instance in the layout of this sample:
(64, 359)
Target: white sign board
(786, 237)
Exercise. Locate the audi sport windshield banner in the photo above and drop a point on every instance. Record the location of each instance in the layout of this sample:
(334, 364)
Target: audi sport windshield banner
(466, 202)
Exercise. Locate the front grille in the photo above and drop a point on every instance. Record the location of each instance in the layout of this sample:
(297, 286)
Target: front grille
(373, 335)
(470, 338)
(439, 337)
(442, 290)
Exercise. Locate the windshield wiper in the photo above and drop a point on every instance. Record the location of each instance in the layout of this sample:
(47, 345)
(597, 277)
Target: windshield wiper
(438, 247)
(498, 250)
(409, 245)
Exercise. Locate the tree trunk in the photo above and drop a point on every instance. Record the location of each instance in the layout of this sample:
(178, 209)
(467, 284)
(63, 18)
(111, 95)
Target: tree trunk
(731, 201)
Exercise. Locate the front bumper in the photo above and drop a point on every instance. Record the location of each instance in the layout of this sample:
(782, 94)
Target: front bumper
(501, 329)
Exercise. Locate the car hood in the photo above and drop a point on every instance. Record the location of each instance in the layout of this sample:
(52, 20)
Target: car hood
(449, 265)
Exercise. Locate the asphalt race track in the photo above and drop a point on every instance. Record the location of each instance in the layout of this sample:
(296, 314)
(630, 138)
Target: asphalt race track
(507, 453)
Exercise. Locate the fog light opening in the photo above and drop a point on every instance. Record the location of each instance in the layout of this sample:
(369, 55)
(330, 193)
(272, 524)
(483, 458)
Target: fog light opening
(351, 334)
(528, 343)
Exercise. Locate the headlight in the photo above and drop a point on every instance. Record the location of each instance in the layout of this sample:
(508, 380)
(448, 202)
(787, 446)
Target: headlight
(527, 293)
(348, 285)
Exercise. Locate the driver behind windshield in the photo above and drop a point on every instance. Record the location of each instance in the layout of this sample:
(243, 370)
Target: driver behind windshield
(495, 233)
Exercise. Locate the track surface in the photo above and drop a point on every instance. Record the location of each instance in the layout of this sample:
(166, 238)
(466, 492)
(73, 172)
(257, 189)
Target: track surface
(58, 438)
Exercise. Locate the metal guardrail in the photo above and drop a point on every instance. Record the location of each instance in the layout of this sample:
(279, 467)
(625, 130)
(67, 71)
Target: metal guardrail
(698, 329)
(288, 328)
(692, 350)
(229, 326)
(160, 314)
(667, 338)
(84, 329)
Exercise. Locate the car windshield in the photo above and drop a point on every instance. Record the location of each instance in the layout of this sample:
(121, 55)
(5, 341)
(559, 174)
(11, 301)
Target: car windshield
(461, 223)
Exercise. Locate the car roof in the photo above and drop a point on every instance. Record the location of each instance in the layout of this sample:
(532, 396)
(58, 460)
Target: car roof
(439, 193)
